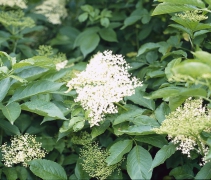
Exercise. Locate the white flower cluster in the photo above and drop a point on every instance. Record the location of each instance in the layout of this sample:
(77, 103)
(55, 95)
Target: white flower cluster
(105, 81)
(19, 3)
(54, 10)
(184, 126)
(23, 149)
(194, 16)
(185, 144)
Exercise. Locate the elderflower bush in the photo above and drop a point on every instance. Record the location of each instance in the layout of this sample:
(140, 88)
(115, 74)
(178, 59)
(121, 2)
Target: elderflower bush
(104, 82)
(47, 44)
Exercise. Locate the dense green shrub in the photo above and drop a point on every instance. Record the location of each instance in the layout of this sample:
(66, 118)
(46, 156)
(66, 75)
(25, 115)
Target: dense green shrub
(110, 89)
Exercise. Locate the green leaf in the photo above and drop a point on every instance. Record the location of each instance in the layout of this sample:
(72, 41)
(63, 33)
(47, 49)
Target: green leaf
(104, 22)
(175, 102)
(12, 111)
(108, 34)
(83, 17)
(168, 7)
(205, 172)
(117, 150)
(128, 116)
(139, 162)
(144, 120)
(165, 92)
(98, 130)
(68, 125)
(8, 127)
(153, 139)
(34, 88)
(182, 28)
(47, 169)
(170, 65)
(22, 172)
(10, 173)
(89, 43)
(137, 130)
(203, 56)
(182, 172)
(161, 111)
(138, 98)
(78, 125)
(193, 92)
(32, 73)
(192, 68)
(43, 108)
(146, 47)
(5, 85)
(164, 153)
(198, 3)
(79, 172)
(71, 159)
(137, 14)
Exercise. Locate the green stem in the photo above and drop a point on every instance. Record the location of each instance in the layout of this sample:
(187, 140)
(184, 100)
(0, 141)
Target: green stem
(15, 45)
(118, 104)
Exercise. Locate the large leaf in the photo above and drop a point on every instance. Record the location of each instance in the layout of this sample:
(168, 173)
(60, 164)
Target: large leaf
(108, 34)
(117, 150)
(137, 130)
(10, 173)
(8, 127)
(203, 56)
(205, 172)
(4, 87)
(153, 139)
(43, 108)
(34, 88)
(128, 116)
(164, 153)
(89, 43)
(97, 130)
(12, 111)
(192, 68)
(138, 98)
(144, 120)
(31, 73)
(139, 162)
(165, 92)
(182, 172)
(146, 47)
(161, 111)
(198, 3)
(47, 169)
(79, 172)
(168, 7)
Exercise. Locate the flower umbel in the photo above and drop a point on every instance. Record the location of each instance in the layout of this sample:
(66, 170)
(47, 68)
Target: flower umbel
(23, 148)
(94, 161)
(184, 126)
(194, 16)
(54, 10)
(105, 81)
